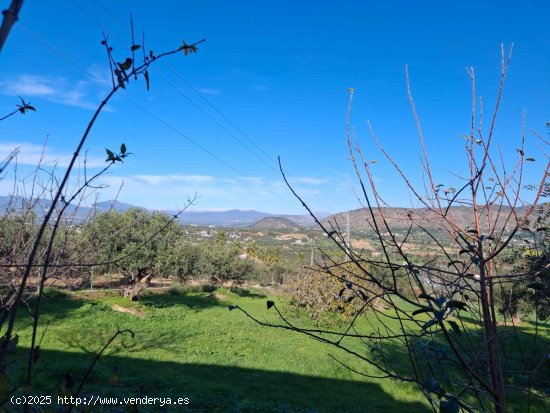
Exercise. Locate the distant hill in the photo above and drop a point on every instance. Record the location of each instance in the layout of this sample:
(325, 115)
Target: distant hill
(239, 218)
(114, 205)
(274, 223)
(400, 218)
(72, 213)
(39, 207)
(306, 220)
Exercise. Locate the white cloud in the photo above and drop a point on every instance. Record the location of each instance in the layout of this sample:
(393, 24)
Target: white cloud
(101, 74)
(173, 179)
(169, 191)
(29, 87)
(51, 88)
(210, 91)
(251, 180)
(32, 154)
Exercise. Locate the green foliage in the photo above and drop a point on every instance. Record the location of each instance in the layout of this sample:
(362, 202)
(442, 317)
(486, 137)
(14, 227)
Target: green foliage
(224, 263)
(133, 239)
(17, 234)
(17, 231)
(531, 292)
(220, 239)
(113, 157)
(272, 265)
(441, 310)
(137, 239)
(323, 295)
(200, 288)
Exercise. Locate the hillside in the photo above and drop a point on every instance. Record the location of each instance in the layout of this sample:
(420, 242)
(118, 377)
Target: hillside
(398, 218)
(274, 223)
(359, 219)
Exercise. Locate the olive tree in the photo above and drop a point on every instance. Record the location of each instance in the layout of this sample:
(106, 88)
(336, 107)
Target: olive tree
(138, 243)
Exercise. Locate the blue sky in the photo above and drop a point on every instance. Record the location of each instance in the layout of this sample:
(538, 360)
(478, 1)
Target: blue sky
(271, 80)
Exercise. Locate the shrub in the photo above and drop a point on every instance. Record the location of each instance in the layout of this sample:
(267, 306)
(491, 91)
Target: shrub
(321, 294)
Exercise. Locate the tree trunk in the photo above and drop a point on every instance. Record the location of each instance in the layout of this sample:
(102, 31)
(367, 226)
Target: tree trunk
(492, 345)
(136, 283)
(11, 16)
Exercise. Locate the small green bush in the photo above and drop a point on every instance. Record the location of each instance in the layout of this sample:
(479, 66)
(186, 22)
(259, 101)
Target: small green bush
(241, 292)
(52, 292)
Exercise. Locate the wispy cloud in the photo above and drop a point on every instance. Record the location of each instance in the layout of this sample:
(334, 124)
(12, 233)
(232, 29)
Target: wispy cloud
(309, 180)
(250, 180)
(215, 192)
(32, 154)
(169, 191)
(173, 179)
(101, 74)
(51, 88)
(210, 91)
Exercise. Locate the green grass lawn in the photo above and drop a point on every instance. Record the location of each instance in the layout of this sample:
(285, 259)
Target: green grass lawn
(187, 344)
(190, 345)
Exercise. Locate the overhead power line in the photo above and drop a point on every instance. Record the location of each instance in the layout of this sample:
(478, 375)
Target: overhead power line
(266, 158)
(260, 154)
(149, 113)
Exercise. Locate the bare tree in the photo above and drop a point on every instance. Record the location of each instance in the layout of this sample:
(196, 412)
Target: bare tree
(11, 15)
(434, 320)
(41, 256)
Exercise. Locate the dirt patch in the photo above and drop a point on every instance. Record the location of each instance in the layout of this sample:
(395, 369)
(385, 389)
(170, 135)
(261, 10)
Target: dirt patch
(516, 321)
(362, 244)
(129, 310)
(219, 297)
(297, 235)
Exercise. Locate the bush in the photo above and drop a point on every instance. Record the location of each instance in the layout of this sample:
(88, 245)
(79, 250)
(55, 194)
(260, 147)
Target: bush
(200, 288)
(241, 292)
(526, 295)
(223, 264)
(322, 295)
(54, 293)
(175, 291)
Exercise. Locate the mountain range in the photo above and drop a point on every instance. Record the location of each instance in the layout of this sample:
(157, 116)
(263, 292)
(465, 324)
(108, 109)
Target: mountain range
(229, 218)
(359, 219)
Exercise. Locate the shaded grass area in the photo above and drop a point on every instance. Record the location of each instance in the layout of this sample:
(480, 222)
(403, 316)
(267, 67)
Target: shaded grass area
(214, 388)
(189, 345)
(523, 348)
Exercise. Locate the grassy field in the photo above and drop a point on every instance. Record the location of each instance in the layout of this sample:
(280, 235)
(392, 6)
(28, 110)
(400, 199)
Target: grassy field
(187, 344)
